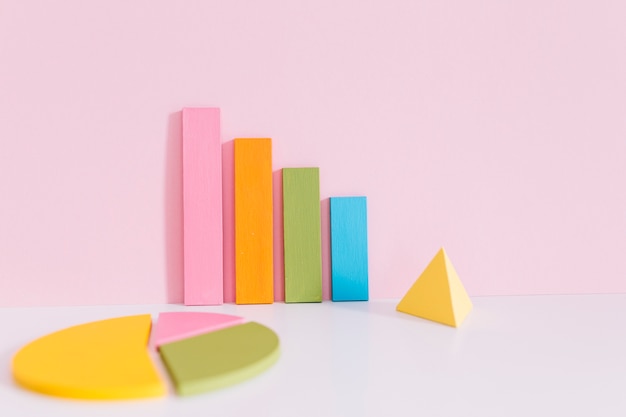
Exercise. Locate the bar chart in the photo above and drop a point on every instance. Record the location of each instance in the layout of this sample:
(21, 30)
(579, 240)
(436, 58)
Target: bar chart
(254, 221)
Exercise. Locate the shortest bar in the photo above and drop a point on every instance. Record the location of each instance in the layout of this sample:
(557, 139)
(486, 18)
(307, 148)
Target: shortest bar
(348, 248)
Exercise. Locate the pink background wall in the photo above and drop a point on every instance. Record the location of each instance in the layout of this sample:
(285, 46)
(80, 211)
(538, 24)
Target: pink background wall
(497, 129)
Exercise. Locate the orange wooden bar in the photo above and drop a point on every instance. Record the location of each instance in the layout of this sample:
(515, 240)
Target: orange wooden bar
(254, 254)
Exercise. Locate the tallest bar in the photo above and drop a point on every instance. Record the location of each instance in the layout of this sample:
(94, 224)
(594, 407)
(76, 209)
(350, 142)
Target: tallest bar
(202, 207)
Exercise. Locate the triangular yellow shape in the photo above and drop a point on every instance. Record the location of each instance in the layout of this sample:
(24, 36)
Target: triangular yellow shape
(438, 294)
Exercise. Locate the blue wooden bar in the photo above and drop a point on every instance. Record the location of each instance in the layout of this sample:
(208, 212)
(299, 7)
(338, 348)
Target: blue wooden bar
(348, 248)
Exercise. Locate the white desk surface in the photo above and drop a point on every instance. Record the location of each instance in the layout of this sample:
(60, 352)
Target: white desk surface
(513, 356)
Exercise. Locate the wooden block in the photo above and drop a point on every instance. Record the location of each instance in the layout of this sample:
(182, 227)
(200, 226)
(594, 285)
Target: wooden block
(202, 205)
(221, 358)
(173, 326)
(438, 294)
(105, 359)
(302, 235)
(254, 263)
(348, 247)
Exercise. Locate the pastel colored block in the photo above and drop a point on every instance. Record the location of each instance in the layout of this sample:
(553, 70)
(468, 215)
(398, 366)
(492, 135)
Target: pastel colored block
(105, 359)
(438, 294)
(173, 326)
(202, 206)
(254, 238)
(302, 235)
(348, 248)
(218, 359)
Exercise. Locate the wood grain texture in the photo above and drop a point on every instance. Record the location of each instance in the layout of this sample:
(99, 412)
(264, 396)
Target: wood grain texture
(202, 206)
(254, 263)
(302, 235)
(348, 247)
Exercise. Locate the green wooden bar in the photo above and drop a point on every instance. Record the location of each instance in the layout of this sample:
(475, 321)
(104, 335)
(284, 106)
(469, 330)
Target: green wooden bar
(302, 234)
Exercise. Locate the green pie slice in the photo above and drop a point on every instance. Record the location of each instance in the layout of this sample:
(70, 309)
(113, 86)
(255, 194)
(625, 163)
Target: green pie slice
(220, 358)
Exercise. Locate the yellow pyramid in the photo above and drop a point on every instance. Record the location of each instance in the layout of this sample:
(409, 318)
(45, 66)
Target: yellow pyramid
(438, 294)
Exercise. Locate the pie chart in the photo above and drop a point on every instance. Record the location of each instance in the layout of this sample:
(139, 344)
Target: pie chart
(110, 359)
